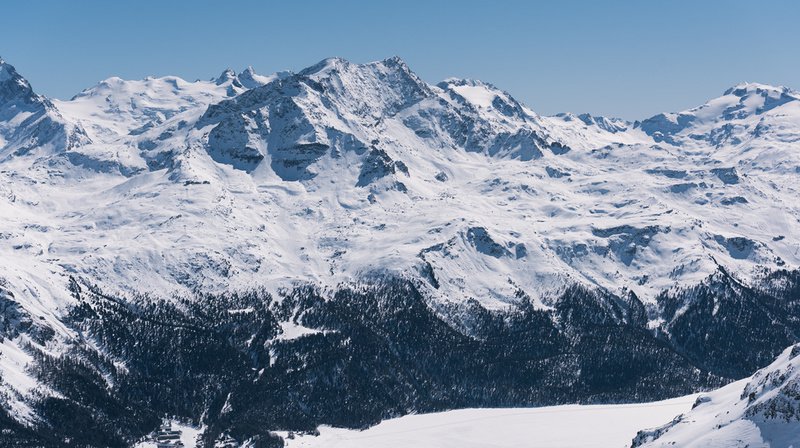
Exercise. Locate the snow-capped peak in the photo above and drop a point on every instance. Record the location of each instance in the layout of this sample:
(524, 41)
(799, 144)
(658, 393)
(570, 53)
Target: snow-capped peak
(5, 70)
(477, 93)
(250, 79)
(324, 66)
(743, 100)
(118, 107)
(383, 87)
(115, 86)
(745, 88)
(747, 99)
(14, 88)
(390, 70)
(612, 125)
(228, 75)
(30, 123)
(735, 117)
(487, 99)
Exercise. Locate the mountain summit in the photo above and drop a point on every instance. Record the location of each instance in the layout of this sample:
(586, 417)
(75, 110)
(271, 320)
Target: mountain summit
(15, 91)
(30, 122)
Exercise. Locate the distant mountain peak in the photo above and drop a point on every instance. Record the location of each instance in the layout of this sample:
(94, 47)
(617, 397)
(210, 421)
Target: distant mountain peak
(249, 79)
(721, 120)
(338, 64)
(5, 69)
(395, 61)
(29, 122)
(227, 75)
(15, 88)
(745, 88)
(484, 96)
(453, 83)
(609, 124)
(466, 82)
(324, 66)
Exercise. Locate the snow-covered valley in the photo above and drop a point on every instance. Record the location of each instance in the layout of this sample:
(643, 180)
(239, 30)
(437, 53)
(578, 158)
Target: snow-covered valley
(759, 411)
(568, 426)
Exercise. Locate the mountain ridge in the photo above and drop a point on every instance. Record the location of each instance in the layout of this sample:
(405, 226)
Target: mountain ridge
(170, 127)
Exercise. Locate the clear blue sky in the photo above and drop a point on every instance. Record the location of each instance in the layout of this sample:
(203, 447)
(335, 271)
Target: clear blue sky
(622, 58)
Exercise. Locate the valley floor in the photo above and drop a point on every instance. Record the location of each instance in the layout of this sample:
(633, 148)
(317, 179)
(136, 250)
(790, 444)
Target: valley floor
(566, 426)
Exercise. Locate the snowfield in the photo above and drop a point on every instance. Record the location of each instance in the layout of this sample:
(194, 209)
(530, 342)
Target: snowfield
(572, 426)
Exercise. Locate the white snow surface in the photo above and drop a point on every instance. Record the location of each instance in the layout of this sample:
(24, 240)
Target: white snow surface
(292, 330)
(760, 411)
(570, 426)
(16, 383)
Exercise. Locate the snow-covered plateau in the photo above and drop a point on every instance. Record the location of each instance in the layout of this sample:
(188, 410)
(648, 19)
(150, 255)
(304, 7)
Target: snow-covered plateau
(350, 243)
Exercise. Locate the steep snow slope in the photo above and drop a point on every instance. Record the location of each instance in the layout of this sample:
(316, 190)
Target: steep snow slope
(593, 426)
(760, 411)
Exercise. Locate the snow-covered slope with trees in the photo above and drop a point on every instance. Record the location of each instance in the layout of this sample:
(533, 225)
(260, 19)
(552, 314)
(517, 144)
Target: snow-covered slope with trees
(343, 173)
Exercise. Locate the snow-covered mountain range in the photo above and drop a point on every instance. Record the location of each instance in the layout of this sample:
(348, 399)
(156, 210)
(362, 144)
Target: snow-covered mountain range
(345, 169)
(344, 173)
